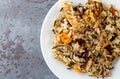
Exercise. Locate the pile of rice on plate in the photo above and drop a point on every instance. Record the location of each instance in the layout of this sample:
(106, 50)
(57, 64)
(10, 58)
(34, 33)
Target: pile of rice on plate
(87, 37)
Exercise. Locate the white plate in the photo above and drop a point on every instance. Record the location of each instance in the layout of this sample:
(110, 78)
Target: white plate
(46, 44)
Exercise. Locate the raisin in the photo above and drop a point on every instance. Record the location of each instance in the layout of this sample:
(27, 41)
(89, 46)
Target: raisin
(109, 48)
(80, 41)
(75, 8)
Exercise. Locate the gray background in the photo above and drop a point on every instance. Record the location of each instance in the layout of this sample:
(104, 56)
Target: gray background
(20, 54)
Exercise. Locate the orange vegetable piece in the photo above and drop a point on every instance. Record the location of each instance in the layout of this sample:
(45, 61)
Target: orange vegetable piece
(65, 38)
(77, 69)
(92, 16)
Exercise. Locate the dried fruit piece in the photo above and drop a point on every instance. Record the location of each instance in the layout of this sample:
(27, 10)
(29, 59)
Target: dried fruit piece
(109, 48)
(80, 41)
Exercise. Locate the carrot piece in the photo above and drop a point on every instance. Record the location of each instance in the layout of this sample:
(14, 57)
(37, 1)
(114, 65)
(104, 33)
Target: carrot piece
(92, 16)
(77, 69)
(65, 38)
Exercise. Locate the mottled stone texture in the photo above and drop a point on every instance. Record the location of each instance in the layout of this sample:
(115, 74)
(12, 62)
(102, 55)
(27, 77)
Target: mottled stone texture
(20, 54)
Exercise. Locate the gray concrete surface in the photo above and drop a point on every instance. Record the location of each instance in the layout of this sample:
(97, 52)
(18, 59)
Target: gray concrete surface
(20, 54)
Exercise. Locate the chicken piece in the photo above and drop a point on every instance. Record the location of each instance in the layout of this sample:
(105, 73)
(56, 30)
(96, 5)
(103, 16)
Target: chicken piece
(72, 16)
